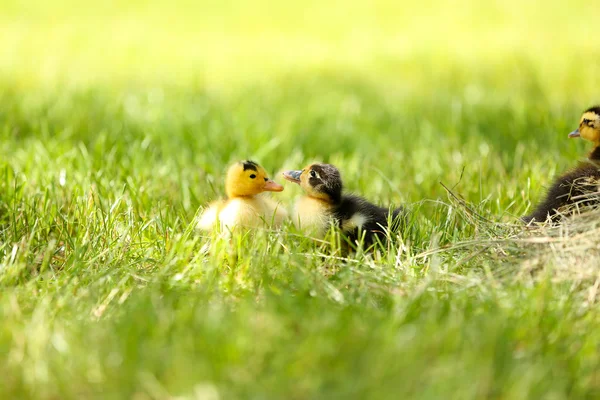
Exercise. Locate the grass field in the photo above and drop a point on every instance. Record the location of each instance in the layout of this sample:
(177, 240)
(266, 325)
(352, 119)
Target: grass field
(117, 122)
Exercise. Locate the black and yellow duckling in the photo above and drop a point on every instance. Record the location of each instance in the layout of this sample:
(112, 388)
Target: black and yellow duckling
(325, 203)
(573, 187)
(244, 206)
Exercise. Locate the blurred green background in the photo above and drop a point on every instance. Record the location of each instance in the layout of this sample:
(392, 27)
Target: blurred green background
(435, 87)
(118, 119)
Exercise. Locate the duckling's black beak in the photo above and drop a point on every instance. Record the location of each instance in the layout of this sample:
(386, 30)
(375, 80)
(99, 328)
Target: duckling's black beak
(292, 176)
(574, 134)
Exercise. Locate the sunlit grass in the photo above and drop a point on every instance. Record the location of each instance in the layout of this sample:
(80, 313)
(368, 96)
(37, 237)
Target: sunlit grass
(118, 122)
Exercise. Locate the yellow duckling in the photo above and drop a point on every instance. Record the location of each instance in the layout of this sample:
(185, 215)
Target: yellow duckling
(244, 183)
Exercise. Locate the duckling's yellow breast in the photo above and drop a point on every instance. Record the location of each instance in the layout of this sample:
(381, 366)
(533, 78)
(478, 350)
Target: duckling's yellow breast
(253, 212)
(312, 215)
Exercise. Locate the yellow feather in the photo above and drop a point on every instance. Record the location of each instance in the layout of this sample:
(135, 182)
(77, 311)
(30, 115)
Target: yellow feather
(245, 207)
(250, 212)
(209, 217)
(312, 215)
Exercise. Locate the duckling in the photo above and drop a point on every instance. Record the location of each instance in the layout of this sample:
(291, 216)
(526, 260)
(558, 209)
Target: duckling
(575, 185)
(244, 183)
(325, 203)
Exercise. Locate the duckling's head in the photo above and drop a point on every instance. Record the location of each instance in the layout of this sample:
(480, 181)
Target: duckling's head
(589, 126)
(247, 178)
(321, 181)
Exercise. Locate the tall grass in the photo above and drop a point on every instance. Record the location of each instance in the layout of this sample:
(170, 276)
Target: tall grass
(119, 120)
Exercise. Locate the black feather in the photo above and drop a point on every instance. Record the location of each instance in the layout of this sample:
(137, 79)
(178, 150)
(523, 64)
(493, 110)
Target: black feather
(594, 109)
(568, 189)
(330, 182)
(251, 165)
(377, 219)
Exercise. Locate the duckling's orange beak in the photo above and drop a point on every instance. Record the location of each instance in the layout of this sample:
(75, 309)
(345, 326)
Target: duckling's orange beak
(272, 186)
(292, 176)
(574, 134)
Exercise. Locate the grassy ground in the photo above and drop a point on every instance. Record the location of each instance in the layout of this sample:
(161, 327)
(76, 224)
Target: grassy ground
(118, 121)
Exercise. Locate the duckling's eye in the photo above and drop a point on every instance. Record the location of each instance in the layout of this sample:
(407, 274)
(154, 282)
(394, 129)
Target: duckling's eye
(266, 179)
(313, 174)
(252, 176)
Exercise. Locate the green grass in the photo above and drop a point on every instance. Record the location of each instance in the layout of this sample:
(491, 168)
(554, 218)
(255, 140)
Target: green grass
(117, 124)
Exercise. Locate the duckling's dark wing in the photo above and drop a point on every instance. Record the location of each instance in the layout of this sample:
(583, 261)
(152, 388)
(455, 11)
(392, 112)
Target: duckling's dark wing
(568, 189)
(347, 207)
(374, 219)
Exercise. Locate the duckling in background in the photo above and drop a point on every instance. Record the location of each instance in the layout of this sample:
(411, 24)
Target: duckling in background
(244, 206)
(325, 203)
(574, 186)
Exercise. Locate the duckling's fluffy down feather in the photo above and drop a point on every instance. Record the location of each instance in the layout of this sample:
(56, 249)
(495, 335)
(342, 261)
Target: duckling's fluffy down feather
(209, 217)
(356, 215)
(579, 186)
(252, 212)
(353, 215)
(312, 216)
